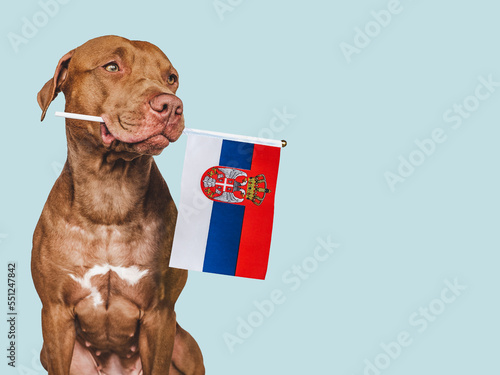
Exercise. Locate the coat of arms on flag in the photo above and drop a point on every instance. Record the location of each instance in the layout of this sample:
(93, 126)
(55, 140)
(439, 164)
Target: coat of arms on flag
(232, 185)
(226, 208)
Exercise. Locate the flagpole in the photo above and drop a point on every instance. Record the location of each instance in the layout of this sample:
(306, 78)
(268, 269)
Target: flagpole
(241, 138)
(76, 116)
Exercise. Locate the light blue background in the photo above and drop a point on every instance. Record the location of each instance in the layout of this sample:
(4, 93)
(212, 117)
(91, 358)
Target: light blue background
(353, 120)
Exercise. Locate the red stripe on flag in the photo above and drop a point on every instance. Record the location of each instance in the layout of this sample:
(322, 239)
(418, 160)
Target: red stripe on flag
(257, 229)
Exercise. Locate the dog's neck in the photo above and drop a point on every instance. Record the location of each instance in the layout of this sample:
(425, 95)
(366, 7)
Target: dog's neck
(107, 187)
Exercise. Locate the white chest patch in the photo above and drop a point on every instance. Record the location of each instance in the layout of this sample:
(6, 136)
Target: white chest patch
(129, 274)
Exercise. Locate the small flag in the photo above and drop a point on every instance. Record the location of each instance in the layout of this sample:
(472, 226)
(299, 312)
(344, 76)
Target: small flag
(226, 209)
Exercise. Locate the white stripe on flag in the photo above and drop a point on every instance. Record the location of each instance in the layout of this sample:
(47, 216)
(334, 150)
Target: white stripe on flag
(195, 210)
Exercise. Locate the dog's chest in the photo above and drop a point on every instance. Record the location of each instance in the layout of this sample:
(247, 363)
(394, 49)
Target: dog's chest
(114, 262)
(114, 276)
(104, 281)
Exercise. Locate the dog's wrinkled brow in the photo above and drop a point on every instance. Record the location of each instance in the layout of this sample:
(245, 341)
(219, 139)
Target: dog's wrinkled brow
(120, 52)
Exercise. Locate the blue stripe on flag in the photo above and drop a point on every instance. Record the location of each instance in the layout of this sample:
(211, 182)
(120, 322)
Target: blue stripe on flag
(236, 154)
(223, 239)
(224, 233)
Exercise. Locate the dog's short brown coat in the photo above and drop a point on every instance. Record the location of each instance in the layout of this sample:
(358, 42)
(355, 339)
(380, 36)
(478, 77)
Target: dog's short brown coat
(102, 245)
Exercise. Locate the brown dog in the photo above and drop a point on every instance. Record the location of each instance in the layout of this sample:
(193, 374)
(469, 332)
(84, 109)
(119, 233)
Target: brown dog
(102, 245)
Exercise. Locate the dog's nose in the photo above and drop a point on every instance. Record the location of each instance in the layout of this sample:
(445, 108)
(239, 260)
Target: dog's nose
(166, 104)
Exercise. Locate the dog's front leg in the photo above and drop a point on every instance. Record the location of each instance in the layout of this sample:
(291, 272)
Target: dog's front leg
(156, 341)
(59, 338)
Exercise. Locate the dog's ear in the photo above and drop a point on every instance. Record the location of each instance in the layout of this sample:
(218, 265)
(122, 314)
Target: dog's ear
(53, 86)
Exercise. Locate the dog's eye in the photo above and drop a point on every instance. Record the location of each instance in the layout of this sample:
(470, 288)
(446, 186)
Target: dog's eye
(112, 67)
(172, 78)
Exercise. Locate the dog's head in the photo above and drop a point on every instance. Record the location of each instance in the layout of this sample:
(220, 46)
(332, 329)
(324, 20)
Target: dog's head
(130, 84)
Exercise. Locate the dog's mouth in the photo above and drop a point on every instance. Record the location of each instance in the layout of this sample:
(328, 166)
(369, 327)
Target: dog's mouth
(106, 135)
(152, 144)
